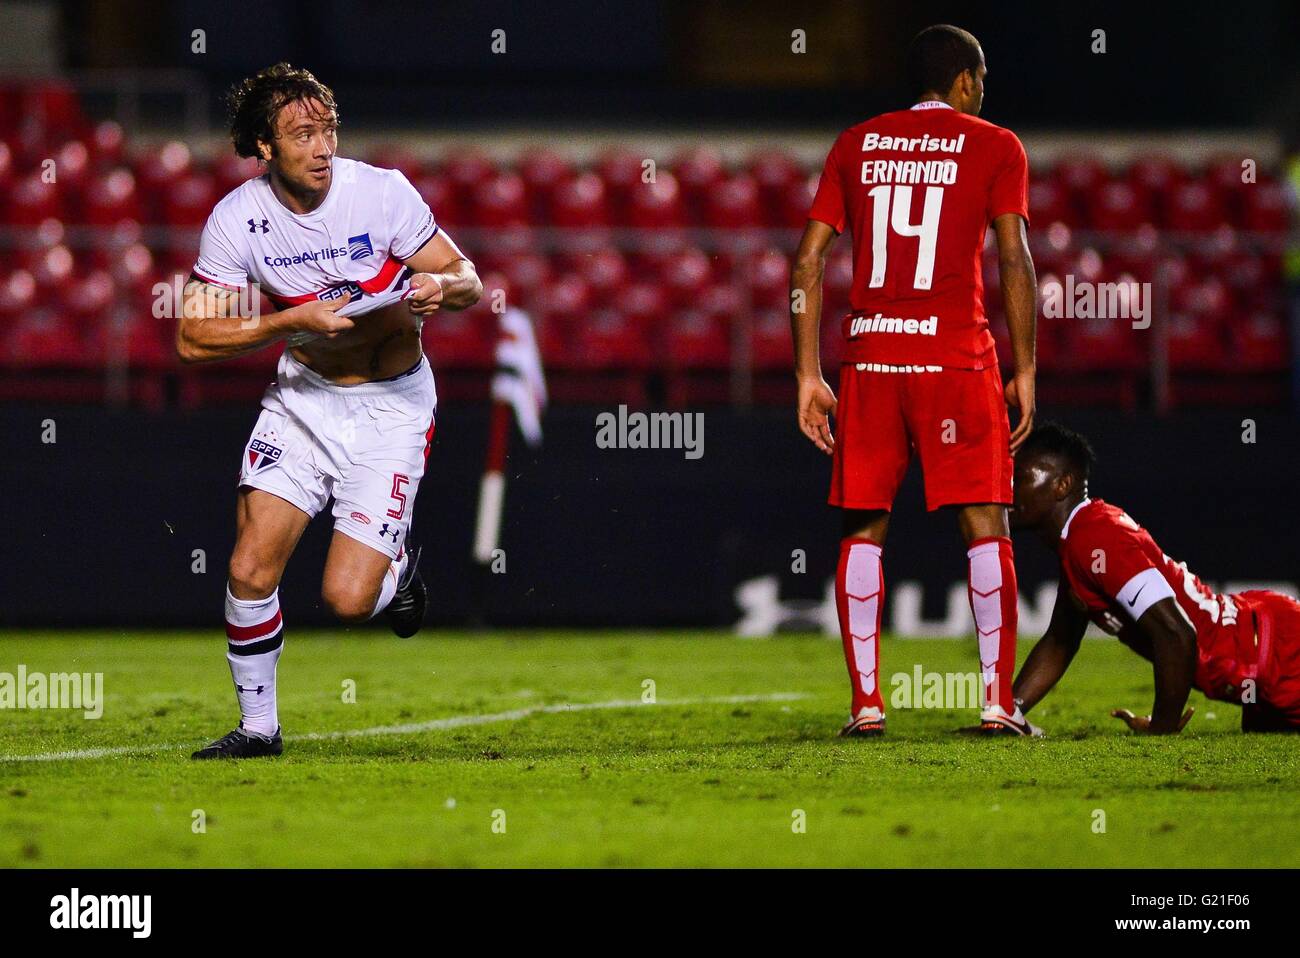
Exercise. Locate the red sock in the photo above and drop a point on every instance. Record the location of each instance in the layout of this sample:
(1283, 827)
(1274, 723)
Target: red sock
(859, 597)
(991, 586)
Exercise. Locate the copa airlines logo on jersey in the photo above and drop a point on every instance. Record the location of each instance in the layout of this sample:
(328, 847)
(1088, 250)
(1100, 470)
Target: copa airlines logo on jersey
(53, 690)
(102, 912)
(1127, 299)
(359, 247)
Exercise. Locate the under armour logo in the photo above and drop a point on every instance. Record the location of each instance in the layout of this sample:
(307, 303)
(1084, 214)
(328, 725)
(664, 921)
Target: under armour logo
(254, 226)
(394, 533)
(256, 691)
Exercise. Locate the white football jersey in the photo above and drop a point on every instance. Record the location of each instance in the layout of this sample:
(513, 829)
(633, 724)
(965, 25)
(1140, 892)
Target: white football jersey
(354, 242)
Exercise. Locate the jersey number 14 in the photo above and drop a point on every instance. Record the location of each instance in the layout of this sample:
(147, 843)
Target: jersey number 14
(892, 207)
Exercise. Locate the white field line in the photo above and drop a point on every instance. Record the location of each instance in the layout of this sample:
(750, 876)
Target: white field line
(412, 728)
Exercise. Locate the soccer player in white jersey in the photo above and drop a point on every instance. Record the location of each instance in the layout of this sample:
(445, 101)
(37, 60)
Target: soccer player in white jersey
(353, 261)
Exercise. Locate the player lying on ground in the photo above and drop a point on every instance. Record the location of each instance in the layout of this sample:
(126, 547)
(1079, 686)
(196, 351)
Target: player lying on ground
(1242, 648)
(352, 258)
(918, 189)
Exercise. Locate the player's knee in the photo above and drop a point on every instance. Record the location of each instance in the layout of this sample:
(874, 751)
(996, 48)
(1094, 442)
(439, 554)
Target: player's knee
(250, 579)
(348, 602)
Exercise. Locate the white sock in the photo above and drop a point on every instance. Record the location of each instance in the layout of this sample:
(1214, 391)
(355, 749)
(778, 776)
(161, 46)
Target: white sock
(396, 569)
(255, 636)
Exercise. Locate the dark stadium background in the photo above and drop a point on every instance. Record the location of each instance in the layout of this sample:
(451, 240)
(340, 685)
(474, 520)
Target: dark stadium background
(1134, 153)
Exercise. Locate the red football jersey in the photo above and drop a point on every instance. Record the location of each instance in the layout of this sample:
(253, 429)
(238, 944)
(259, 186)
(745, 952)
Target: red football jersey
(1114, 567)
(918, 189)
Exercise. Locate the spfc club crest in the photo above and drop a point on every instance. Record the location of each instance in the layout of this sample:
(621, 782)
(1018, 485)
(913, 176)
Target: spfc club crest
(262, 454)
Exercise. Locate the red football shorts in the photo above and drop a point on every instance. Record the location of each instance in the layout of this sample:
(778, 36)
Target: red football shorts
(1277, 634)
(954, 419)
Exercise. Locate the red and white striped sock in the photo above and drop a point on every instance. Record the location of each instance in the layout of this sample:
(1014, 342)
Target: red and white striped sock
(859, 598)
(255, 636)
(991, 587)
(388, 588)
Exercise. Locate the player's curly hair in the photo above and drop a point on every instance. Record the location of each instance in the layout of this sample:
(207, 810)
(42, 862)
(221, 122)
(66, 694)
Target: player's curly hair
(938, 55)
(1072, 448)
(253, 104)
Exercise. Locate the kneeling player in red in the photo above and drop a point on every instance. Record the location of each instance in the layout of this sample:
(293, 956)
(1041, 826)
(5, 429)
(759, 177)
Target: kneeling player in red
(1242, 648)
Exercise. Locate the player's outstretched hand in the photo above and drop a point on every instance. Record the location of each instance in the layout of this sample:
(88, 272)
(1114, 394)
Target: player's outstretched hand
(321, 317)
(816, 403)
(1020, 393)
(1142, 723)
(427, 295)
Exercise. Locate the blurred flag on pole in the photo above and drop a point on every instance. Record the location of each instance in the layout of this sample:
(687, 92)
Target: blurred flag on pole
(518, 386)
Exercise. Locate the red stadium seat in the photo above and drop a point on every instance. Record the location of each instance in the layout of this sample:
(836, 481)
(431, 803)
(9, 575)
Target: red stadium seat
(685, 277)
(644, 303)
(796, 201)
(460, 339)
(438, 190)
(1155, 175)
(1080, 176)
(1195, 206)
(771, 347)
(32, 200)
(54, 269)
(622, 172)
(578, 206)
(697, 339)
(468, 169)
(500, 205)
(111, 198)
(524, 273)
(837, 281)
(1118, 205)
(1267, 207)
(1260, 343)
(610, 339)
(499, 201)
(158, 170)
(43, 339)
(72, 161)
(558, 308)
(579, 201)
(107, 145)
(395, 156)
(1102, 345)
(87, 300)
(18, 297)
(1196, 343)
(700, 172)
(769, 279)
(605, 272)
(1136, 253)
(775, 172)
(542, 171)
(55, 108)
(1050, 202)
(189, 201)
(231, 171)
(732, 204)
(657, 205)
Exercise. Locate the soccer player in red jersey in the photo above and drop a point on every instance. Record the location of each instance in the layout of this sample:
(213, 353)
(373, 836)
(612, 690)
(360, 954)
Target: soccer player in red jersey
(1242, 648)
(918, 189)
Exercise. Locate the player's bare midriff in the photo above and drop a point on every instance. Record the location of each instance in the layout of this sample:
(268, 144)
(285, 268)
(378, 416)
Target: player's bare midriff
(383, 343)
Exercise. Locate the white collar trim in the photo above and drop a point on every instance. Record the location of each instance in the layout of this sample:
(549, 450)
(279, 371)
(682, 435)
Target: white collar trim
(1065, 529)
(931, 105)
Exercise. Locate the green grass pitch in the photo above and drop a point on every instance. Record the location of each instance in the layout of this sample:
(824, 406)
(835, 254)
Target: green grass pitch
(718, 772)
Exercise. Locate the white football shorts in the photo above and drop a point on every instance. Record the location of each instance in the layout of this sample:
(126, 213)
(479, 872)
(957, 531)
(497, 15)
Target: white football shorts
(365, 445)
